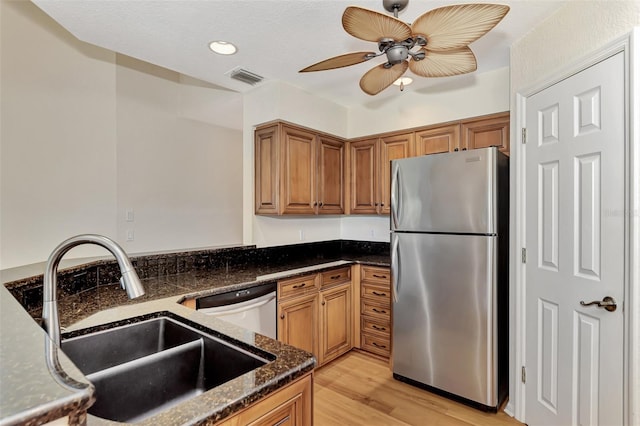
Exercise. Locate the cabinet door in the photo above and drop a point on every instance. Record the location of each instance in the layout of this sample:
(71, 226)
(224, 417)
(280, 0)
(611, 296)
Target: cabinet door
(291, 405)
(362, 171)
(266, 169)
(330, 176)
(335, 322)
(437, 140)
(298, 178)
(391, 148)
(298, 322)
(489, 131)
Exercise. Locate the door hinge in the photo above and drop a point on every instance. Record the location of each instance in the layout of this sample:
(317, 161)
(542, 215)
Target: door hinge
(524, 255)
(524, 135)
(523, 375)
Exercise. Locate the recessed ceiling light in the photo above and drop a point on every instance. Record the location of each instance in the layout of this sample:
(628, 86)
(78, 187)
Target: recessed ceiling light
(403, 81)
(223, 47)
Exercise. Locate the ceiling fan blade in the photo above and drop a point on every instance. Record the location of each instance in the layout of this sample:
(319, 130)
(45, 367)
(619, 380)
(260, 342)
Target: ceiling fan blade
(444, 64)
(340, 61)
(369, 25)
(379, 78)
(452, 27)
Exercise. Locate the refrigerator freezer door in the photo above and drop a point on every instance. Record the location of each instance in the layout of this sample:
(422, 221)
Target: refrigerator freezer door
(451, 192)
(444, 313)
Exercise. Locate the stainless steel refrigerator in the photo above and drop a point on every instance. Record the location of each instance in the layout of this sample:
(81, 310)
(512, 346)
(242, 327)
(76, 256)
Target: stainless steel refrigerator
(449, 261)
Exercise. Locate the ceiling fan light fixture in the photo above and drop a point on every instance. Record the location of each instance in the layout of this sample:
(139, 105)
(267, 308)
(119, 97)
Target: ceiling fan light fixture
(403, 81)
(223, 47)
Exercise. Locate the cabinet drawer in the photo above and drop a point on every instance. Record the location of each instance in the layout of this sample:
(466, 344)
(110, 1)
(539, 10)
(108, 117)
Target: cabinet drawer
(376, 275)
(375, 326)
(376, 292)
(298, 285)
(376, 344)
(335, 276)
(375, 310)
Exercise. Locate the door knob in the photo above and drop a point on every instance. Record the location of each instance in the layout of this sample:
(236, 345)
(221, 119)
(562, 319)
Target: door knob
(608, 303)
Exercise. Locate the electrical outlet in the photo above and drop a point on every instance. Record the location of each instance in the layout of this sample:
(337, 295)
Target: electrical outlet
(129, 215)
(130, 235)
(301, 234)
(372, 232)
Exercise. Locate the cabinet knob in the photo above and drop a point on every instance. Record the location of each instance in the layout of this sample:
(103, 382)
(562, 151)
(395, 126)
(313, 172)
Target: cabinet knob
(381, 204)
(464, 149)
(375, 204)
(315, 204)
(323, 303)
(281, 316)
(456, 149)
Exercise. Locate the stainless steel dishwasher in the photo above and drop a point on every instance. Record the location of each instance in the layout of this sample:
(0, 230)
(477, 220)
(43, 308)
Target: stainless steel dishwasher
(253, 308)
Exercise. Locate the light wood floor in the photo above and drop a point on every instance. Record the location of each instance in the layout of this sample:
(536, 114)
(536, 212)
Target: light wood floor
(357, 389)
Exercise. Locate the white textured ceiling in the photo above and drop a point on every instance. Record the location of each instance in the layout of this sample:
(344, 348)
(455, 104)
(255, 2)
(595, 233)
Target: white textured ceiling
(275, 38)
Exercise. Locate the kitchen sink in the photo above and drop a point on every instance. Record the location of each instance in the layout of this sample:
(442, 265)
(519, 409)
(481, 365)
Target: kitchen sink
(142, 368)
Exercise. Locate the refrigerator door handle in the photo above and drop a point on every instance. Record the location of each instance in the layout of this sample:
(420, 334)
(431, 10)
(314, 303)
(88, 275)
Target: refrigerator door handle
(395, 195)
(395, 265)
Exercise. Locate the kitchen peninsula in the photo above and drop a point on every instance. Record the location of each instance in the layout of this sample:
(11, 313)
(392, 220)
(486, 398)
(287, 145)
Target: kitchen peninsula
(90, 297)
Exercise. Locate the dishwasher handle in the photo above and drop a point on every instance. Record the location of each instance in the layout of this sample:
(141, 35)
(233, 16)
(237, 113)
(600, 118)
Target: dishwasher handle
(239, 307)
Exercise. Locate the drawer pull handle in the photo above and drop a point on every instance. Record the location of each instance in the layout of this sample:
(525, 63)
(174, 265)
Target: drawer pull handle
(378, 346)
(379, 311)
(300, 285)
(283, 421)
(375, 327)
(384, 277)
(335, 277)
(379, 294)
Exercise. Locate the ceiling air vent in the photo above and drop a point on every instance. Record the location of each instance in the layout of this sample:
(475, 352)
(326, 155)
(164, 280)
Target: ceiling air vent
(245, 76)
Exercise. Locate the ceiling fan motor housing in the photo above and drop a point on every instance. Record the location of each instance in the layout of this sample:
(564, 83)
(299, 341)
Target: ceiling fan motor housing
(397, 54)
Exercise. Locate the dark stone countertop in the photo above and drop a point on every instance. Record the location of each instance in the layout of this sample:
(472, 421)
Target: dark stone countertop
(109, 304)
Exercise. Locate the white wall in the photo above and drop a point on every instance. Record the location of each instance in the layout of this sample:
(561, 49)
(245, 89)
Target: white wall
(180, 174)
(86, 134)
(577, 29)
(452, 98)
(58, 137)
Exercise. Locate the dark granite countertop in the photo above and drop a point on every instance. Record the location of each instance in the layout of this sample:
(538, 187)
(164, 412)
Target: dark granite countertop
(104, 304)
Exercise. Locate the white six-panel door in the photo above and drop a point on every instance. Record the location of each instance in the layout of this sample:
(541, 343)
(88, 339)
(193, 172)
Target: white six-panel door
(575, 248)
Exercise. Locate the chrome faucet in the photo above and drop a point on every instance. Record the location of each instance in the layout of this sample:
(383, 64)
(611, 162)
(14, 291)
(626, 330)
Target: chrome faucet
(128, 281)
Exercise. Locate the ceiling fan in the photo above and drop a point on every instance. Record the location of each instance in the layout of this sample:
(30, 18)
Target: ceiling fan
(441, 35)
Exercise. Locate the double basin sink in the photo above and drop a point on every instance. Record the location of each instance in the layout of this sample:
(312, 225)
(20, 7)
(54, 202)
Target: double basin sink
(142, 368)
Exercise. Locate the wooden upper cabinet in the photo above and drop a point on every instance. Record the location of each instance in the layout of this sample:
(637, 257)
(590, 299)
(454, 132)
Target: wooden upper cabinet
(298, 183)
(297, 171)
(330, 176)
(391, 148)
(370, 171)
(362, 170)
(266, 178)
(302, 171)
(483, 132)
(438, 139)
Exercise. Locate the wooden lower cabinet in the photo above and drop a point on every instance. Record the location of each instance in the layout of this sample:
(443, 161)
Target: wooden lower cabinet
(315, 313)
(375, 310)
(290, 406)
(336, 319)
(298, 322)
